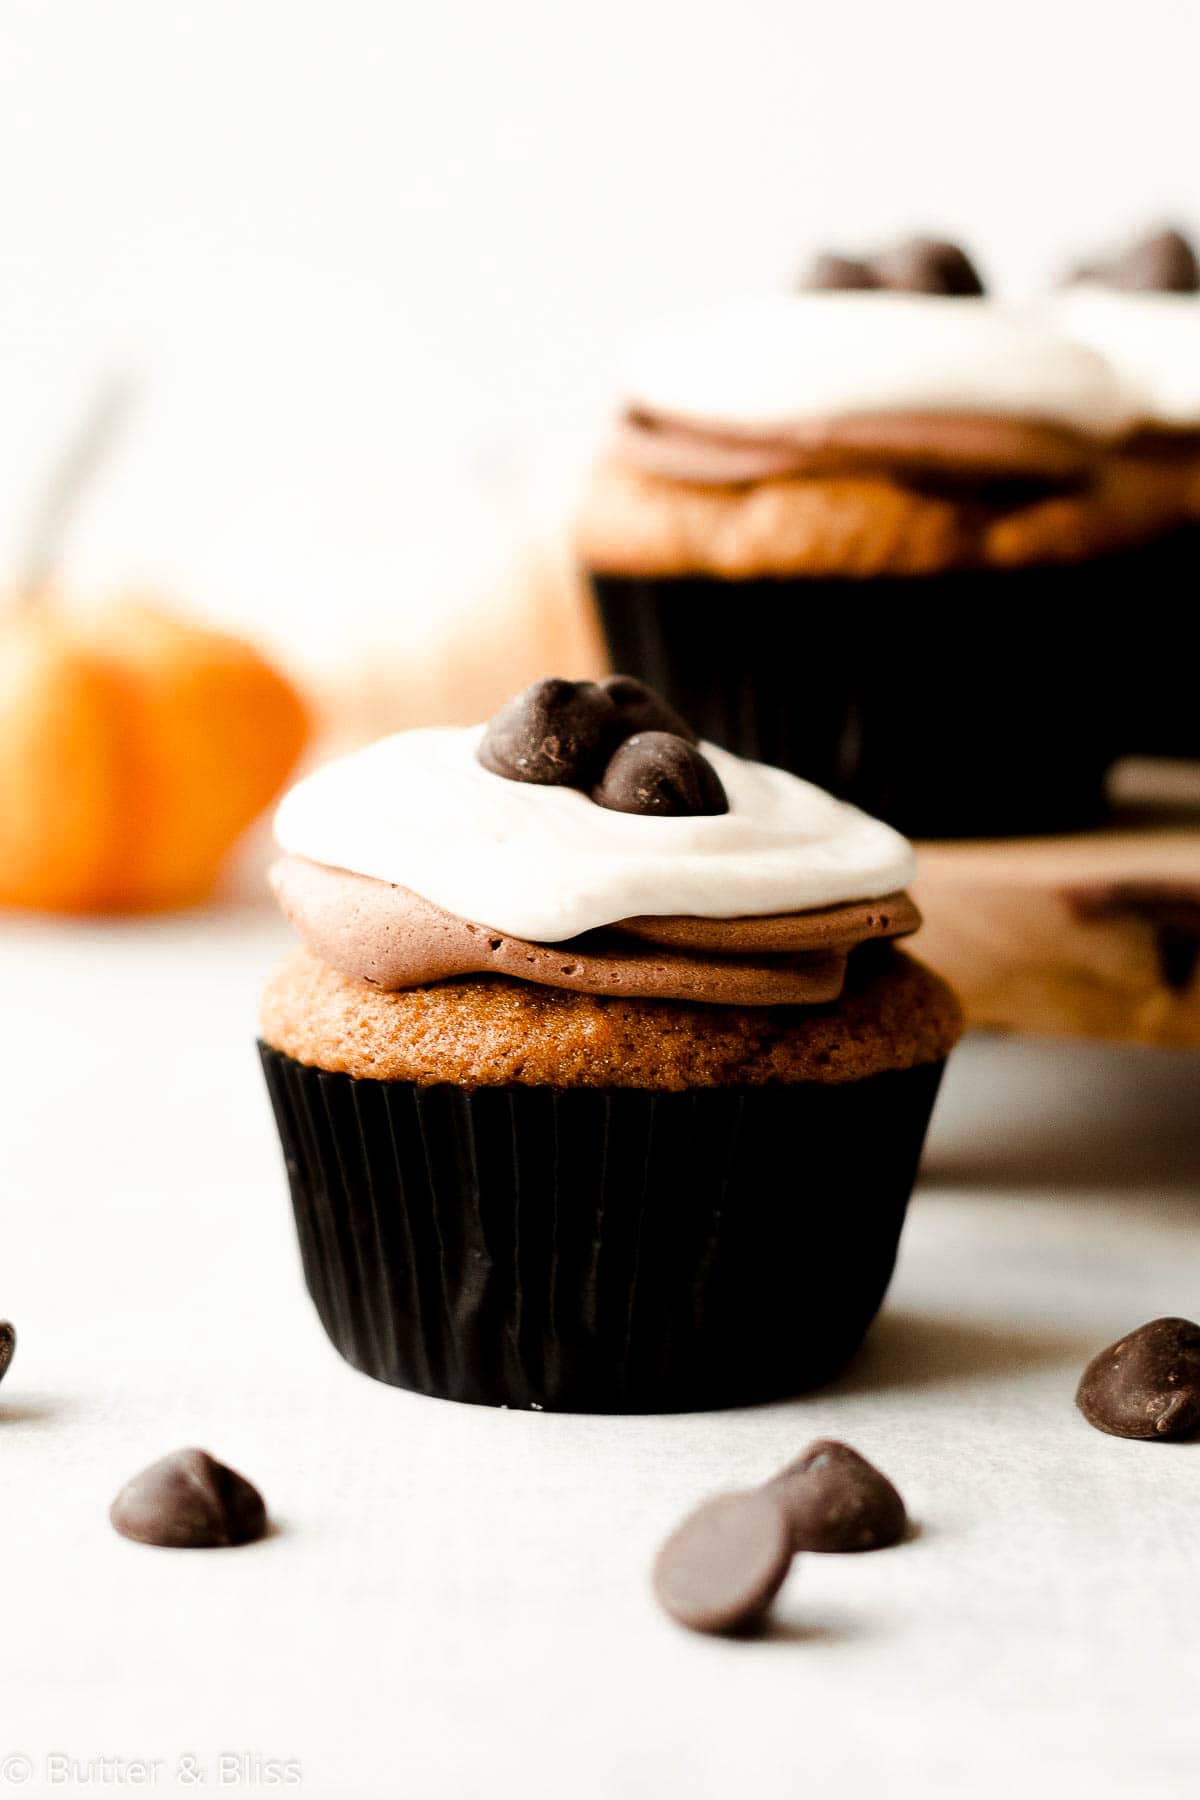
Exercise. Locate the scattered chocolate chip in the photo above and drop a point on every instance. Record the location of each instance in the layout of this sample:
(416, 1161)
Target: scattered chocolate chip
(639, 708)
(836, 1500)
(722, 1567)
(922, 265)
(8, 1343)
(556, 733)
(1162, 262)
(189, 1501)
(657, 772)
(831, 273)
(1146, 1385)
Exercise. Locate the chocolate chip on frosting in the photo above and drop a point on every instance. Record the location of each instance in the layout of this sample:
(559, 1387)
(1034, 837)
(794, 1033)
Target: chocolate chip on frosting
(1164, 261)
(8, 1344)
(659, 773)
(1147, 1384)
(831, 273)
(189, 1501)
(922, 265)
(917, 265)
(837, 1501)
(617, 737)
(1161, 262)
(556, 733)
(641, 709)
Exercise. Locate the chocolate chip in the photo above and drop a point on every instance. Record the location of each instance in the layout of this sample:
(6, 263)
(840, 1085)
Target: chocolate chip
(836, 1500)
(830, 273)
(921, 265)
(189, 1501)
(1162, 262)
(8, 1343)
(639, 708)
(721, 1569)
(556, 733)
(659, 773)
(1146, 1385)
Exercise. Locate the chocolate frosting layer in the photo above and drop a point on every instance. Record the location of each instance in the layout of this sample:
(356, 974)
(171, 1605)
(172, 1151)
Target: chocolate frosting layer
(839, 928)
(394, 939)
(964, 446)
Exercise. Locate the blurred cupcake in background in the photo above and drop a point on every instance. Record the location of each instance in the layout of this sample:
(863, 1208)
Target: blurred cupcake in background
(853, 531)
(1140, 307)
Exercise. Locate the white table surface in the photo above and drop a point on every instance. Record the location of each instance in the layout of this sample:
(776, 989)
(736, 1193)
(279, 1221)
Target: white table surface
(455, 1602)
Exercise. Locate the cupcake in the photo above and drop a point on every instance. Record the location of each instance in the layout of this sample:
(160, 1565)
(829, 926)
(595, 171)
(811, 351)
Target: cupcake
(852, 531)
(601, 1079)
(1141, 309)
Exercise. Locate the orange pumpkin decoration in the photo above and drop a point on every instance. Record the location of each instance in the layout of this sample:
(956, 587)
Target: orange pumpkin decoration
(135, 748)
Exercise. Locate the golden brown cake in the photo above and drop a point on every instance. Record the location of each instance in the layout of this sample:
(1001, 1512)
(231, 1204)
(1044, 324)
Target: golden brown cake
(491, 1031)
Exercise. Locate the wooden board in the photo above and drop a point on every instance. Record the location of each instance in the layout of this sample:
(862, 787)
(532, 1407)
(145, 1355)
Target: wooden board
(1096, 935)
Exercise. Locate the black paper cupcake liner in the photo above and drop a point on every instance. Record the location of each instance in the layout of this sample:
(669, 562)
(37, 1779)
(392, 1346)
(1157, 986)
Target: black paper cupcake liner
(975, 704)
(1154, 641)
(598, 1250)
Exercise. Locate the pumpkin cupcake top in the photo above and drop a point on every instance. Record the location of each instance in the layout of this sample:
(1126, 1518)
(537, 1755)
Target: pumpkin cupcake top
(888, 420)
(819, 382)
(584, 840)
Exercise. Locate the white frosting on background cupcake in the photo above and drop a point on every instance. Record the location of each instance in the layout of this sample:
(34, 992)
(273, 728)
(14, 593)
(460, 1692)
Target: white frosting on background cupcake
(786, 360)
(1151, 339)
(546, 863)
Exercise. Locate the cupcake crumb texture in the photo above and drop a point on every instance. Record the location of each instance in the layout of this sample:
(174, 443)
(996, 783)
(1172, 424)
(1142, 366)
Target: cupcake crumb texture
(489, 1031)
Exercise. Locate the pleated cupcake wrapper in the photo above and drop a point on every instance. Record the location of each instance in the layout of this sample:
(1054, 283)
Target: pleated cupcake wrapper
(980, 703)
(1149, 625)
(598, 1250)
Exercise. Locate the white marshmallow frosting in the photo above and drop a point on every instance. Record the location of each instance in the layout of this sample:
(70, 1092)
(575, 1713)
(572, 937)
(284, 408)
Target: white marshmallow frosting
(546, 863)
(1151, 339)
(785, 360)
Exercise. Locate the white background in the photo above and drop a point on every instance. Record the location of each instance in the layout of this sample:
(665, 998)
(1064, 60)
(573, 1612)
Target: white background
(372, 259)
